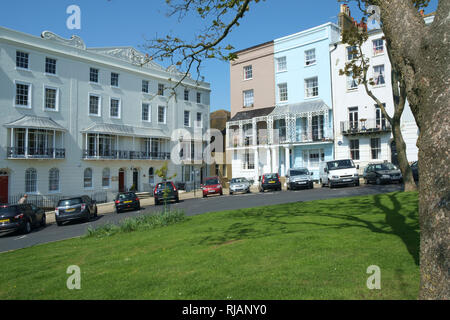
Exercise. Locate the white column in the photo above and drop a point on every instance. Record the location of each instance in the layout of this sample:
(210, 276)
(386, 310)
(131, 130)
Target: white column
(54, 144)
(12, 142)
(255, 132)
(309, 132)
(26, 142)
(269, 163)
(287, 160)
(256, 163)
(97, 137)
(275, 162)
(86, 144)
(241, 135)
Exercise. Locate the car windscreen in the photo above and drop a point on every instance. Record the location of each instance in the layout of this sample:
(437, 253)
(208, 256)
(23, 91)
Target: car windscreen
(6, 209)
(299, 173)
(165, 185)
(238, 180)
(340, 164)
(385, 166)
(124, 196)
(270, 176)
(69, 202)
(211, 182)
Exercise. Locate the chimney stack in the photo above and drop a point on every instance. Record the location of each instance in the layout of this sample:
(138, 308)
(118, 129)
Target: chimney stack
(345, 19)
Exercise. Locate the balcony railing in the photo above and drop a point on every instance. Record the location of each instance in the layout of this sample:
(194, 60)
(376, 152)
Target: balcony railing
(365, 126)
(124, 155)
(36, 153)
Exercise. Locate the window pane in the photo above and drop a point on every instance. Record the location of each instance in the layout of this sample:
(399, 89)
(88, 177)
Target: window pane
(21, 60)
(50, 98)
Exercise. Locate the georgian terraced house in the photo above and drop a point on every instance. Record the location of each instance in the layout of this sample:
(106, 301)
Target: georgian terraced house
(281, 105)
(79, 120)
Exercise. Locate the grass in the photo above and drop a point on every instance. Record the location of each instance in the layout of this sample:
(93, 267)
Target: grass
(310, 250)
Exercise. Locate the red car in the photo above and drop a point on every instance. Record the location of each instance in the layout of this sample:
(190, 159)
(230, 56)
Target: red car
(211, 186)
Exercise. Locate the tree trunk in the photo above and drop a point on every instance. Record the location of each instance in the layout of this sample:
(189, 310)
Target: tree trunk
(400, 144)
(422, 55)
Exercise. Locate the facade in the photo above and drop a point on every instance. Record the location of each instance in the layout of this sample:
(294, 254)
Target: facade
(297, 130)
(80, 120)
(220, 168)
(361, 131)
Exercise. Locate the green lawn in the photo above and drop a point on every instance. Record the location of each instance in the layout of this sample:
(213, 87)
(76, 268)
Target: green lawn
(310, 250)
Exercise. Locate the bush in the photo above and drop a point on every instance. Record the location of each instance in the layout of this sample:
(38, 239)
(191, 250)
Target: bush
(147, 222)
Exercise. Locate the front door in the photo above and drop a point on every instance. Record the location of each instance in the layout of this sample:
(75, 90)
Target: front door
(136, 180)
(3, 189)
(121, 180)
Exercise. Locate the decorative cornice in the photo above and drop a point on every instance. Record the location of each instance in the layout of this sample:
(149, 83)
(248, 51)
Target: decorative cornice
(74, 41)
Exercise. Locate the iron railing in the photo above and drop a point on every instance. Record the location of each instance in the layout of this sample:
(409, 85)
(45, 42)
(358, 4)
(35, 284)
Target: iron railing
(49, 202)
(36, 153)
(365, 126)
(125, 155)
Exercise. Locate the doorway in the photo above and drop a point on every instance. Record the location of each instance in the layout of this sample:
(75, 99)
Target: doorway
(135, 180)
(4, 184)
(121, 180)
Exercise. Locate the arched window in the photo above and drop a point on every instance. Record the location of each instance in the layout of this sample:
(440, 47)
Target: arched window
(31, 180)
(88, 178)
(151, 176)
(53, 180)
(106, 178)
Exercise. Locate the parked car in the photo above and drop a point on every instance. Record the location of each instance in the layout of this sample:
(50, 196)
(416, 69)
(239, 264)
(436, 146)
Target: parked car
(415, 170)
(171, 190)
(20, 217)
(127, 201)
(270, 181)
(299, 178)
(239, 185)
(382, 173)
(211, 186)
(339, 172)
(76, 208)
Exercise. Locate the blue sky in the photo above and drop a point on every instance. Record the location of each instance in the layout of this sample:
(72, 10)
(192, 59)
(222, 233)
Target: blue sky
(129, 22)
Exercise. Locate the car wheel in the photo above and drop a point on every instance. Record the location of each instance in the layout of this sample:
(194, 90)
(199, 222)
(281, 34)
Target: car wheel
(321, 182)
(311, 186)
(27, 227)
(357, 183)
(378, 181)
(204, 196)
(96, 212)
(231, 193)
(248, 191)
(117, 211)
(88, 217)
(366, 181)
(177, 200)
(59, 223)
(330, 185)
(43, 220)
(221, 193)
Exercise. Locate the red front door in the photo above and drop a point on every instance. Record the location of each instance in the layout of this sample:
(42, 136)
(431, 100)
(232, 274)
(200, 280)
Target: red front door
(3, 189)
(121, 181)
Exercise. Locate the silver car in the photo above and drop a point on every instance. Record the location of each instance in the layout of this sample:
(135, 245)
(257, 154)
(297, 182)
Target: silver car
(299, 178)
(239, 185)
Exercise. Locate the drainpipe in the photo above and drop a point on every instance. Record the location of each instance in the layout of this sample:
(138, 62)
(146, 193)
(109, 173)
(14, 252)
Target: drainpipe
(332, 102)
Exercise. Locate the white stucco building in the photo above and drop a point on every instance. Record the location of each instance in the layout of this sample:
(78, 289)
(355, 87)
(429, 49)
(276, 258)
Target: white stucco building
(79, 120)
(361, 131)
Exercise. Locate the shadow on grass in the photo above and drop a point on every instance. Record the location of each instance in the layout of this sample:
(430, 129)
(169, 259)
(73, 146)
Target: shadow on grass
(339, 214)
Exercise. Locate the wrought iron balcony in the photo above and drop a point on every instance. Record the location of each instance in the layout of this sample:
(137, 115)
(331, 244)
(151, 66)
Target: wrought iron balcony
(36, 153)
(124, 155)
(365, 126)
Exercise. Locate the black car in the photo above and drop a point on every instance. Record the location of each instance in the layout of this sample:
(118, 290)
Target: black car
(382, 173)
(270, 181)
(20, 217)
(126, 201)
(172, 192)
(415, 170)
(76, 208)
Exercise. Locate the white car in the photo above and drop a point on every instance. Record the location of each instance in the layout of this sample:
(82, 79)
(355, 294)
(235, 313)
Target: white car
(339, 172)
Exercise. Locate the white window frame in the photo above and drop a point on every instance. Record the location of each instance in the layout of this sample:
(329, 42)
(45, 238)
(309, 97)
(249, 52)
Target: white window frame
(120, 108)
(149, 112)
(84, 179)
(108, 177)
(377, 149)
(347, 52)
(148, 86)
(186, 95)
(284, 63)
(99, 114)
(165, 114)
(199, 98)
(98, 75)
(199, 124)
(246, 99)
(163, 89)
(30, 91)
(56, 98)
(248, 72)
(57, 180)
(312, 96)
(350, 82)
(310, 62)
(280, 93)
(56, 67)
(118, 80)
(384, 75)
(36, 180)
(28, 61)
(189, 118)
(375, 49)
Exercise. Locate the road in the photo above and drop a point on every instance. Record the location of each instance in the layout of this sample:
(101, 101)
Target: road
(192, 207)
